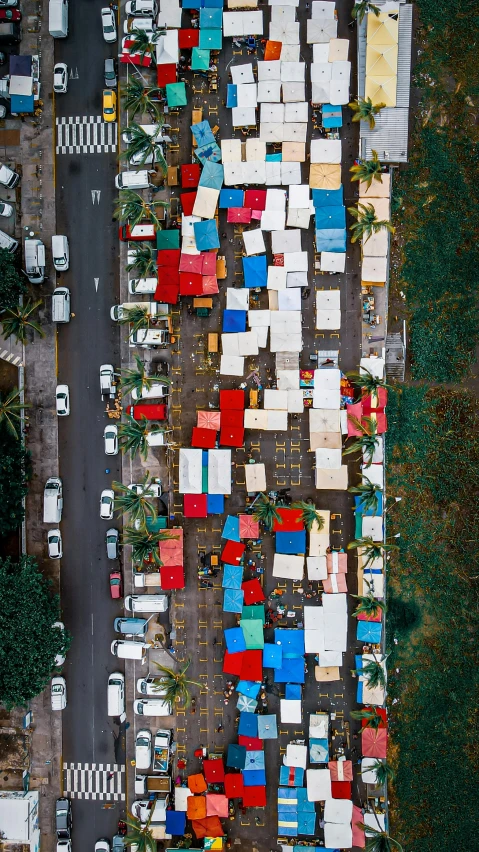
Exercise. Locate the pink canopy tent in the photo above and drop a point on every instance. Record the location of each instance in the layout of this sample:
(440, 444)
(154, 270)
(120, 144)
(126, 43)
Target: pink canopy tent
(208, 261)
(248, 527)
(359, 837)
(374, 743)
(191, 263)
(341, 770)
(171, 550)
(216, 805)
(210, 420)
(239, 214)
(209, 285)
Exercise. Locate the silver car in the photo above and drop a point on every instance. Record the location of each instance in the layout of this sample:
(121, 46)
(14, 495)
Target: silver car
(109, 73)
(112, 541)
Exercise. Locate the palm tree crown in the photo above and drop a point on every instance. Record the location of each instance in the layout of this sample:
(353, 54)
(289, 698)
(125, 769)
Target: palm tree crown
(143, 42)
(17, 320)
(136, 316)
(140, 143)
(139, 504)
(131, 207)
(139, 379)
(372, 716)
(310, 516)
(11, 411)
(367, 442)
(367, 170)
(140, 836)
(138, 99)
(366, 223)
(383, 772)
(132, 436)
(379, 841)
(367, 381)
(365, 110)
(144, 544)
(174, 684)
(144, 261)
(374, 673)
(369, 605)
(266, 512)
(369, 494)
(372, 550)
(360, 10)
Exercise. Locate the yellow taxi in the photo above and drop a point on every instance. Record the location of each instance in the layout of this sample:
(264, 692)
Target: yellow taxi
(109, 105)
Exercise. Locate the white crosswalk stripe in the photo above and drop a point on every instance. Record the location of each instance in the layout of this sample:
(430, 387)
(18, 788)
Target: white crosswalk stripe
(86, 134)
(100, 781)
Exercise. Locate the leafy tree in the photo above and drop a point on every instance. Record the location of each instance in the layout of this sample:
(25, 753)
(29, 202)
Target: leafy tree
(139, 505)
(266, 512)
(29, 643)
(144, 544)
(15, 471)
(309, 515)
(138, 99)
(144, 42)
(140, 836)
(366, 223)
(364, 110)
(367, 442)
(132, 436)
(174, 685)
(372, 716)
(383, 772)
(139, 379)
(131, 207)
(136, 316)
(12, 286)
(141, 143)
(379, 841)
(374, 673)
(367, 170)
(17, 320)
(361, 9)
(369, 493)
(368, 604)
(372, 550)
(10, 411)
(144, 261)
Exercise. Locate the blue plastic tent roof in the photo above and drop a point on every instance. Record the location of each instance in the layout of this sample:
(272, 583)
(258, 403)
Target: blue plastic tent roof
(212, 175)
(206, 234)
(231, 95)
(233, 600)
(234, 640)
(232, 576)
(291, 641)
(306, 824)
(291, 772)
(248, 725)
(272, 656)
(318, 750)
(231, 198)
(211, 17)
(236, 756)
(22, 103)
(246, 705)
(231, 528)
(267, 727)
(332, 116)
(303, 803)
(215, 504)
(211, 152)
(248, 687)
(369, 631)
(202, 132)
(358, 500)
(331, 240)
(254, 778)
(175, 822)
(292, 671)
(291, 542)
(293, 692)
(234, 321)
(274, 158)
(211, 39)
(255, 271)
(254, 760)
(330, 217)
(328, 197)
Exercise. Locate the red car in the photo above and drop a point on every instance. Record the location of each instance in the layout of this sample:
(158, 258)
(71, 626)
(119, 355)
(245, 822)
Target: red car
(151, 412)
(116, 585)
(10, 15)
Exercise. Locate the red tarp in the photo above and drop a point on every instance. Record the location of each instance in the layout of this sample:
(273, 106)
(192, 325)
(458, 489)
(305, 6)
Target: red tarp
(255, 199)
(234, 786)
(233, 553)
(168, 257)
(292, 521)
(341, 770)
(239, 214)
(232, 399)
(251, 743)
(208, 260)
(210, 285)
(248, 527)
(155, 411)
(197, 783)
(232, 663)
(172, 577)
(253, 593)
(359, 837)
(195, 505)
(167, 293)
(168, 276)
(254, 797)
(357, 410)
(207, 827)
(252, 666)
(374, 743)
(134, 58)
(188, 202)
(191, 263)
(171, 549)
(190, 284)
(214, 771)
(381, 711)
(232, 436)
(341, 789)
(375, 402)
(190, 175)
(166, 74)
(204, 438)
(208, 419)
(363, 616)
(231, 417)
(188, 39)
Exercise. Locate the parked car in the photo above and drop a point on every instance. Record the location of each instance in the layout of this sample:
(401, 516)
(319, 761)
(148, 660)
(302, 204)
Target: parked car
(130, 626)
(154, 391)
(102, 846)
(6, 209)
(58, 693)
(109, 105)
(64, 846)
(63, 818)
(146, 686)
(154, 490)
(10, 14)
(139, 8)
(112, 543)
(107, 501)
(62, 397)
(143, 749)
(151, 707)
(150, 411)
(108, 24)
(55, 547)
(60, 658)
(110, 436)
(60, 78)
(116, 585)
(8, 4)
(110, 73)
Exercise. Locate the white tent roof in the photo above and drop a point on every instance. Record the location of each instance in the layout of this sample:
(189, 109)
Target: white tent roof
(283, 13)
(375, 473)
(255, 418)
(296, 112)
(316, 567)
(284, 31)
(284, 321)
(323, 420)
(287, 379)
(169, 15)
(374, 269)
(247, 95)
(258, 318)
(289, 300)
(181, 796)
(373, 365)
(322, 9)
(269, 71)
(288, 567)
(299, 196)
(231, 151)
(290, 710)
(341, 70)
(233, 173)
(326, 458)
(318, 782)
(248, 343)
(321, 72)
(231, 365)
(339, 92)
(190, 471)
(254, 171)
(326, 151)
(318, 543)
(242, 73)
(262, 335)
(332, 261)
(372, 527)
(237, 298)
(321, 52)
(242, 23)
(230, 344)
(338, 49)
(273, 173)
(313, 617)
(271, 131)
(338, 836)
(328, 300)
(167, 51)
(296, 261)
(298, 217)
(338, 810)
(219, 471)
(292, 72)
(273, 220)
(277, 421)
(283, 242)
(377, 244)
(376, 821)
(277, 399)
(320, 93)
(269, 91)
(188, 245)
(243, 117)
(318, 725)
(293, 92)
(275, 199)
(254, 241)
(255, 150)
(328, 320)
(378, 189)
(296, 755)
(271, 113)
(296, 279)
(327, 479)
(276, 278)
(335, 622)
(255, 477)
(326, 398)
(289, 52)
(205, 202)
(327, 378)
(295, 402)
(187, 222)
(321, 30)
(283, 2)
(284, 342)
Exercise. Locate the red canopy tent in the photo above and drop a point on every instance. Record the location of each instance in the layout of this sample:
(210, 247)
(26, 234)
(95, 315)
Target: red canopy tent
(233, 553)
(374, 743)
(248, 527)
(291, 521)
(171, 549)
(191, 263)
(191, 284)
(251, 743)
(166, 74)
(188, 39)
(253, 593)
(214, 771)
(359, 836)
(375, 402)
(357, 411)
(134, 58)
(231, 417)
(208, 261)
(168, 257)
(255, 199)
(341, 770)
(232, 663)
(234, 785)
(239, 214)
(190, 175)
(380, 711)
(252, 666)
(207, 827)
(363, 616)
(232, 436)
(210, 285)
(341, 789)
(204, 438)
(254, 797)
(195, 505)
(208, 419)
(196, 807)
(197, 783)
(167, 293)
(172, 577)
(256, 214)
(232, 399)
(216, 805)
(188, 202)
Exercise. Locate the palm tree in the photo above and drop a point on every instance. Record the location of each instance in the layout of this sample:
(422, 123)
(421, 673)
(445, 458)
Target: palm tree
(131, 207)
(382, 771)
(361, 9)
(372, 550)
(137, 98)
(266, 512)
(138, 504)
(366, 223)
(141, 143)
(136, 316)
(132, 436)
(144, 544)
(369, 495)
(17, 320)
(365, 110)
(309, 515)
(140, 835)
(367, 170)
(367, 381)
(367, 442)
(372, 716)
(138, 379)
(145, 261)
(379, 841)
(368, 604)
(11, 409)
(374, 673)
(143, 42)
(174, 685)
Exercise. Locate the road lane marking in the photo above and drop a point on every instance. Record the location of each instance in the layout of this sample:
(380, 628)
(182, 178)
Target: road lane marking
(95, 196)
(85, 135)
(86, 781)
(97, 281)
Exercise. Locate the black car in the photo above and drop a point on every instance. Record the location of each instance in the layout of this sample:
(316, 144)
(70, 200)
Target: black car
(10, 33)
(63, 818)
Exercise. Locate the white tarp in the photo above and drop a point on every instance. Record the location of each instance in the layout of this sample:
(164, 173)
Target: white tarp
(190, 474)
(338, 835)
(319, 726)
(231, 365)
(289, 52)
(273, 173)
(328, 320)
(320, 93)
(332, 261)
(318, 543)
(295, 402)
(372, 527)
(242, 23)
(283, 242)
(272, 113)
(296, 261)
(296, 755)
(374, 365)
(321, 72)
(326, 398)
(169, 15)
(287, 380)
(318, 782)
(276, 278)
(269, 71)
(219, 471)
(205, 202)
(295, 133)
(298, 217)
(289, 300)
(377, 244)
(288, 567)
(231, 151)
(327, 378)
(269, 91)
(243, 117)
(182, 794)
(322, 9)
(229, 344)
(341, 71)
(187, 223)
(290, 710)
(316, 567)
(296, 112)
(255, 477)
(237, 298)
(277, 399)
(254, 241)
(321, 52)
(275, 199)
(277, 421)
(242, 74)
(339, 92)
(321, 30)
(335, 622)
(273, 220)
(326, 151)
(283, 13)
(286, 321)
(291, 172)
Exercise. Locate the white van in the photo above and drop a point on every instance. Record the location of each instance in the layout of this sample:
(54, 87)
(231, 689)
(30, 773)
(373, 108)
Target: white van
(8, 243)
(8, 177)
(116, 694)
(146, 603)
(152, 707)
(157, 439)
(61, 304)
(128, 649)
(133, 180)
(58, 693)
(52, 500)
(34, 251)
(142, 286)
(60, 253)
(58, 18)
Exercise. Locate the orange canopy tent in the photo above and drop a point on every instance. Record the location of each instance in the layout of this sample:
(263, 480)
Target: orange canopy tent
(207, 827)
(197, 783)
(196, 807)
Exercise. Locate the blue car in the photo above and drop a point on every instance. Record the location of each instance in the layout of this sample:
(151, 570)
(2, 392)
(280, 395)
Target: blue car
(130, 626)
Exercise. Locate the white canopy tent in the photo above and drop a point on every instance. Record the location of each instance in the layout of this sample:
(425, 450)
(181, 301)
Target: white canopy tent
(296, 755)
(254, 172)
(321, 30)
(255, 477)
(187, 225)
(299, 196)
(288, 567)
(231, 151)
(237, 298)
(322, 9)
(335, 622)
(321, 72)
(293, 92)
(219, 471)
(277, 421)
(318, 783)
(272, 113)
(320, 93)
(326, 151)
(332, 261)
(243, 117)
(248, 343)
(254, 241)
(269, 91)
(321, 52)
(273, 220)
(269, 71)
(291, 172)
(285, 31)
(296, 111)
(190, 472)
(205, 202)
(247, 95)
(259, 318)
(328, 458)
(296, 261)
(276, 278)
(328, 479)
(295, 402)
(339, 92)
(230, 344)
(328, 320)
(231, 365)
(242, 23)
(316, 568)
(233, 173)
(293, 72)
(276, 399)
(241, 74)
(338, 811)
(271, 131)
(323, 420)
(255, 418)
(290, 299)
(188, 245)
(318, 725)
(298, 217)
(338, 50)
(273, 173)
(167, 51)
(290, 711)
(283, 242)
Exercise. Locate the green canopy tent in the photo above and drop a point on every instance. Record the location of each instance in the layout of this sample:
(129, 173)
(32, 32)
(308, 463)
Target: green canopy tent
(176, 94)
(200, 59)
(168, 239)
(253, 633)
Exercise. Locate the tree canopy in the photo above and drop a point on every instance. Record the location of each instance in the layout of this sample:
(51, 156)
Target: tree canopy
(15, 471)
(12, 285)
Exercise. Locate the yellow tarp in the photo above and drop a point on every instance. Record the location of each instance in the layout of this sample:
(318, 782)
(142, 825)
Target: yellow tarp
(381, 59)
(383, 29)
(381, 90)
(325, 176)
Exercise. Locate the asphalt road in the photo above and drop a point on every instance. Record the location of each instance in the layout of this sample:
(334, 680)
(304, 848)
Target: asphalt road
(90, 340)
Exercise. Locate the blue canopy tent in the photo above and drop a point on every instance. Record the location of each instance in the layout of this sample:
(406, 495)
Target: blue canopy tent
(22, 103)
(248, 725)
(202, 132)
(306, 823)
(331, 240)
(200, 61)
(211, 17)
(211, 39)
(369, 631)
(233, 600)
(231, 528)
(318, 751)
(236, 756)
(202, 4)
(245, 704)
(231, 198)
(288, 800)
(358, 500)
(332, 116)
(254, 760)
(303, 804)
(211, 152)
(267, 727)
(291, 641)
(255, 271)
(254, 778)
(175, 822)
(328, 197)
(272, 656)
(232, 576)
(206, 235)
(212, 176)
(292, 671)
(291, 775)
(215, 504)
(248, 687)
(274, 158)
(330, 217)
(291, 542)
(231, 95)
(234, 321)
(292, 692)
(234, 640)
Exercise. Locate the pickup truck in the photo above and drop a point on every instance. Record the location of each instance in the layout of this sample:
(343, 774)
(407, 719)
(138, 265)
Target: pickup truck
(107, 381)
(146, 784)
(150, 412)
(161, 752)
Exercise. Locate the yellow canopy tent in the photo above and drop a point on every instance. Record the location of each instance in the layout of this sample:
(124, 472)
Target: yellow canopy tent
(325, 176)
(381, 59)
(383, 29)
(381, 90)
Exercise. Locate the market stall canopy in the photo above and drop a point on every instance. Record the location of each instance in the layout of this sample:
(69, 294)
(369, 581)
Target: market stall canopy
(219, 472)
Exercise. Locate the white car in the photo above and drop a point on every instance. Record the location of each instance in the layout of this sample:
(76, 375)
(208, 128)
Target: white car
(139, 159)
(146, 24)
(62, 397)
(154, 489)
(55, 546)
(143, 749)
(58, 693)
(108, 24)
(137, 8)
(6, 209)
(146, 686)
(107, 501)
(102, 846)
(110, 436)
(60, 78)
(64, 846)
(155, 391)
(60, 658)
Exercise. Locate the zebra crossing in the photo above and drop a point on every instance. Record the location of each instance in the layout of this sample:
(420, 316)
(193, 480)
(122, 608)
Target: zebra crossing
(100, 781)
(87, 134)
